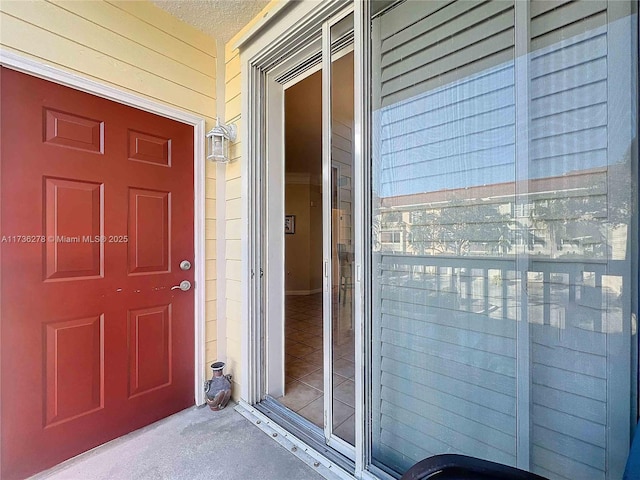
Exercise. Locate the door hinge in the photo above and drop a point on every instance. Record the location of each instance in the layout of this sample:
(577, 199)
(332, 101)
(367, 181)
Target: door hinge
(261, 273)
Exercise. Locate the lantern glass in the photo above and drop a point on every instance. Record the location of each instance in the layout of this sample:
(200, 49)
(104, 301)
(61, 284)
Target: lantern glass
(218, 142)
(218, 147)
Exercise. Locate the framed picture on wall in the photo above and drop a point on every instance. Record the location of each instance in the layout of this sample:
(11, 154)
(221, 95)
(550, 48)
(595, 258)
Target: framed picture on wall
(290, 224)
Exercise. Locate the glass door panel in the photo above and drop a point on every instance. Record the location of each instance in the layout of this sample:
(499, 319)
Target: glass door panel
(319, 327)
(342, 231)
(504, 267)
(339, 234)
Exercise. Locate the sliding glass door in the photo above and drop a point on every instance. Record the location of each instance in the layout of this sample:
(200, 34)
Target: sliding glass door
(504, 234)
(477, 287)
(310, 322)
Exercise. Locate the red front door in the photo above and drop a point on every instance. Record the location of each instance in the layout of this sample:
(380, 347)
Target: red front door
(96, 215)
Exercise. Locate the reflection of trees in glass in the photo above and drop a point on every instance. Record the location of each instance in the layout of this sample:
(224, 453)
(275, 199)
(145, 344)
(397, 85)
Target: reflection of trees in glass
(460, 228)
(571, 225)
(585, 221)
(621, 206)
(375, 223)
(580, 215)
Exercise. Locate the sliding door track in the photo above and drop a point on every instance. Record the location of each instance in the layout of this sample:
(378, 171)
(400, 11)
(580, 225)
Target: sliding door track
(304, 430)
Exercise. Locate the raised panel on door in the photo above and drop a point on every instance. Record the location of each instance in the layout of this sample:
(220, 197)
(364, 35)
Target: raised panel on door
(144, 147)
(74, 356)
(149, 340)
(73, 131)
(148, 232)
(73, 218)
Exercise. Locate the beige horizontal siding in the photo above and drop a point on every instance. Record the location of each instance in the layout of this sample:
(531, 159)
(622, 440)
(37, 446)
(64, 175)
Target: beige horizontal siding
(133, 46)
(165, 21)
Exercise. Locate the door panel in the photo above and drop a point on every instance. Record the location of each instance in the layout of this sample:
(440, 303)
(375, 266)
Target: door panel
(72, 131)
(144, 147)
(74, 369)
(339, 160)
(149, 349)
(73, 209)
(96, 215)
(149, 228)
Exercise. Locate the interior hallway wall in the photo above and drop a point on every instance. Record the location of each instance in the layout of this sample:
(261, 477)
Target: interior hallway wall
(303, 249)
(303, 190)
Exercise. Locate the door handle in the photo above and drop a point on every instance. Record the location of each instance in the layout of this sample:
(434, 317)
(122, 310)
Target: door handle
(184, 286)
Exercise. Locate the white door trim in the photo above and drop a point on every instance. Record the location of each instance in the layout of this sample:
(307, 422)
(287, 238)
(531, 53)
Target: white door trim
(62, 77)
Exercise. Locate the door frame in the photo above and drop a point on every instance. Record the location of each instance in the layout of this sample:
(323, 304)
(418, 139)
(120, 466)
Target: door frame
(263, 49)
(62, 77)
(264, 52)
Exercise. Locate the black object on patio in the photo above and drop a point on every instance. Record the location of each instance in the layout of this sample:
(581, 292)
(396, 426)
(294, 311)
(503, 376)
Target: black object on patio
(462, 467)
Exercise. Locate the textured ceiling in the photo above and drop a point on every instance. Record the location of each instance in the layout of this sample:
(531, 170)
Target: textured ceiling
(221, 19)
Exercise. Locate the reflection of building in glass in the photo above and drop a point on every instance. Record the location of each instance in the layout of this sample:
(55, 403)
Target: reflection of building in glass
(561, 217)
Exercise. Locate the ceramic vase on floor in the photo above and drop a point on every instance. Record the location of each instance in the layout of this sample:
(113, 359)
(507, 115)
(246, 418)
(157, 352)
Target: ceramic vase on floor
(218, 389)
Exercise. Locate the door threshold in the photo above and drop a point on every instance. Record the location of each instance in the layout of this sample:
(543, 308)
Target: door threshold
(303, 429)
(295, 435)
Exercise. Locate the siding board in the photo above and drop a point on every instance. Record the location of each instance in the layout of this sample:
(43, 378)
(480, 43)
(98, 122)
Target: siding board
(464, 339)
(586, 453)
(579, 362)
(454, 405)
(142, 33)
(480, 65)
(584, 407)
(399, 19)
(78, 30)
(586, 118)
(564, 15)
(166, 22)
(32, 40)
(569, 78)
(467, 321)
(571, 382)
(563, 466)
(438, 42)
(443, 101)
(538, 8)
(456, 430)
(477, 379)
(466, 56)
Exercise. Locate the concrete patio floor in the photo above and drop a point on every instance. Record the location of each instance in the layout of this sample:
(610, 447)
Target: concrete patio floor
(193, 444)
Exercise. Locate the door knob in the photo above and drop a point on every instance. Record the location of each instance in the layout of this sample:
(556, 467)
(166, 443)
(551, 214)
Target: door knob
(184, 286)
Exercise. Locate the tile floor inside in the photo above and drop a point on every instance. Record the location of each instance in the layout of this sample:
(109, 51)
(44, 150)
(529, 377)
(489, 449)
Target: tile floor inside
(304, 362)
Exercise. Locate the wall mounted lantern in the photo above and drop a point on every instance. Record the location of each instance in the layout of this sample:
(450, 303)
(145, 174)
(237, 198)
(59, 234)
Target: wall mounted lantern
(218, 140)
